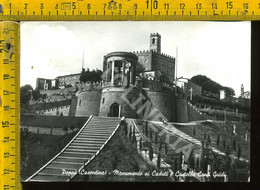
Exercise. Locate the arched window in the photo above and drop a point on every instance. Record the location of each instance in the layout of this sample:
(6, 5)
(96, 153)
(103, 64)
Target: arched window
(153, 41)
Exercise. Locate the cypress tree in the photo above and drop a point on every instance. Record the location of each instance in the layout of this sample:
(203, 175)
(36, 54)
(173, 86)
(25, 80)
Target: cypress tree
(160, 145)
(166, 148)
(125, 129)
(155, 138)
(197, 164)
(194, 131)
(150, 151)
(191, 160)
(208, 140)
(205, 136)
(151, 134)
(234, 145)
(130, 132)
(218, 140)
(140, 144)
(146, 128)
(159, 160)
(239, 152)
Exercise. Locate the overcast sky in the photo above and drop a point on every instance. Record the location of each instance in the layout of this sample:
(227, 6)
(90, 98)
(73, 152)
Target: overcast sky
(219, 50)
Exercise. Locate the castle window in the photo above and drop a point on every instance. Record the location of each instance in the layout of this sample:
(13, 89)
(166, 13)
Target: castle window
(103, 100)
(79, 102)
(153, 41)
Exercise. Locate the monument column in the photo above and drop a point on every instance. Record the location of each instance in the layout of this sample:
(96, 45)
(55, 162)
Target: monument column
(112, 73)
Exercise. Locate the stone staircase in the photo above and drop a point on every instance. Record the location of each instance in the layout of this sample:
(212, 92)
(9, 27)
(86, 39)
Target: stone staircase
(78, 153)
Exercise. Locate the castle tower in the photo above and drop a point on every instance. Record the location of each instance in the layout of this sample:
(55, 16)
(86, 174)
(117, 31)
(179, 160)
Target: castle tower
(242, 90)
(155, 42)
(119, 76)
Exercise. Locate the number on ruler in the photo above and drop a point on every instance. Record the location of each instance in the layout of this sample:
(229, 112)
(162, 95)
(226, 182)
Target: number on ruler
(5, 124)
(214, 6)
(198, 6)
(154, 4)
(6, 139)
(6, 171)
(73, 5)
(245, 6)
(166, 6)
(6, 187)
(6, 76)
(6, 61)
(6, 92)
(182, 5)
(25, 5)
(6, 154)
(6, 108)
(229, 5)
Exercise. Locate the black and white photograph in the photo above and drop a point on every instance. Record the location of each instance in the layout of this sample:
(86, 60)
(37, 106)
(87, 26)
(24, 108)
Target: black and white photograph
(158, 101)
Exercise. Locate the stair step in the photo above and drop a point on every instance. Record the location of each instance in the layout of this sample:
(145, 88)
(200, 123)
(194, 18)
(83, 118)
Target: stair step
(49, 178)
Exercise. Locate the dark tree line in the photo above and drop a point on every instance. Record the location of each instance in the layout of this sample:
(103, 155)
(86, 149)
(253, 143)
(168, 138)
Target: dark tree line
(211, 86)
(90, 76)
(26, 92)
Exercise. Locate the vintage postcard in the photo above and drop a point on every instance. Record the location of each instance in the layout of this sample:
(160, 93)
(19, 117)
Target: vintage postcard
(135, 101)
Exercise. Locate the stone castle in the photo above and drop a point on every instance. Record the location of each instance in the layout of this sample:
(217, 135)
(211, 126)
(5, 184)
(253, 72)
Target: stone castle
(127, 91)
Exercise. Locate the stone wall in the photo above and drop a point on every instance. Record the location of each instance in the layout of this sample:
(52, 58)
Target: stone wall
(164, 102)
(73, 106)
(88, 103)
(182, 110)
(122, 96)
(194, 114)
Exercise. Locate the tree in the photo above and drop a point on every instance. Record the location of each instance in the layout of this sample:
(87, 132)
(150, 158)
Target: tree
(159, 160)
(150, 151)
(151, 134)
(239, 152)
(234, 145)
(160, 145)
(166, 148)
(155, 138)
(130, 132)
(194, 131)
(140, 144)
(90, 76)
(205, 136)
(25, 93)
(218, 140)
(72, 127)
(208, 140)
(36, 94)
(65, 129)
(192, 160)
(164, 78)
(139, 68)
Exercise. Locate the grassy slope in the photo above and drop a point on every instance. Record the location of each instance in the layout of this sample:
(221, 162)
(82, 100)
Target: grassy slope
(38, 149)
(224, 130)
(120, 154)
(52, 121)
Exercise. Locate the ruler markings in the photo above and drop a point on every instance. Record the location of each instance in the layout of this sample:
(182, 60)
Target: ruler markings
(146, 10)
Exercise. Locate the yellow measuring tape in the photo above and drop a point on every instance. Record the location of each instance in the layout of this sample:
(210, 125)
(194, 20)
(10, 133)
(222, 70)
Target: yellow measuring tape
(9, 105)
(130, 10)
(22, 10)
